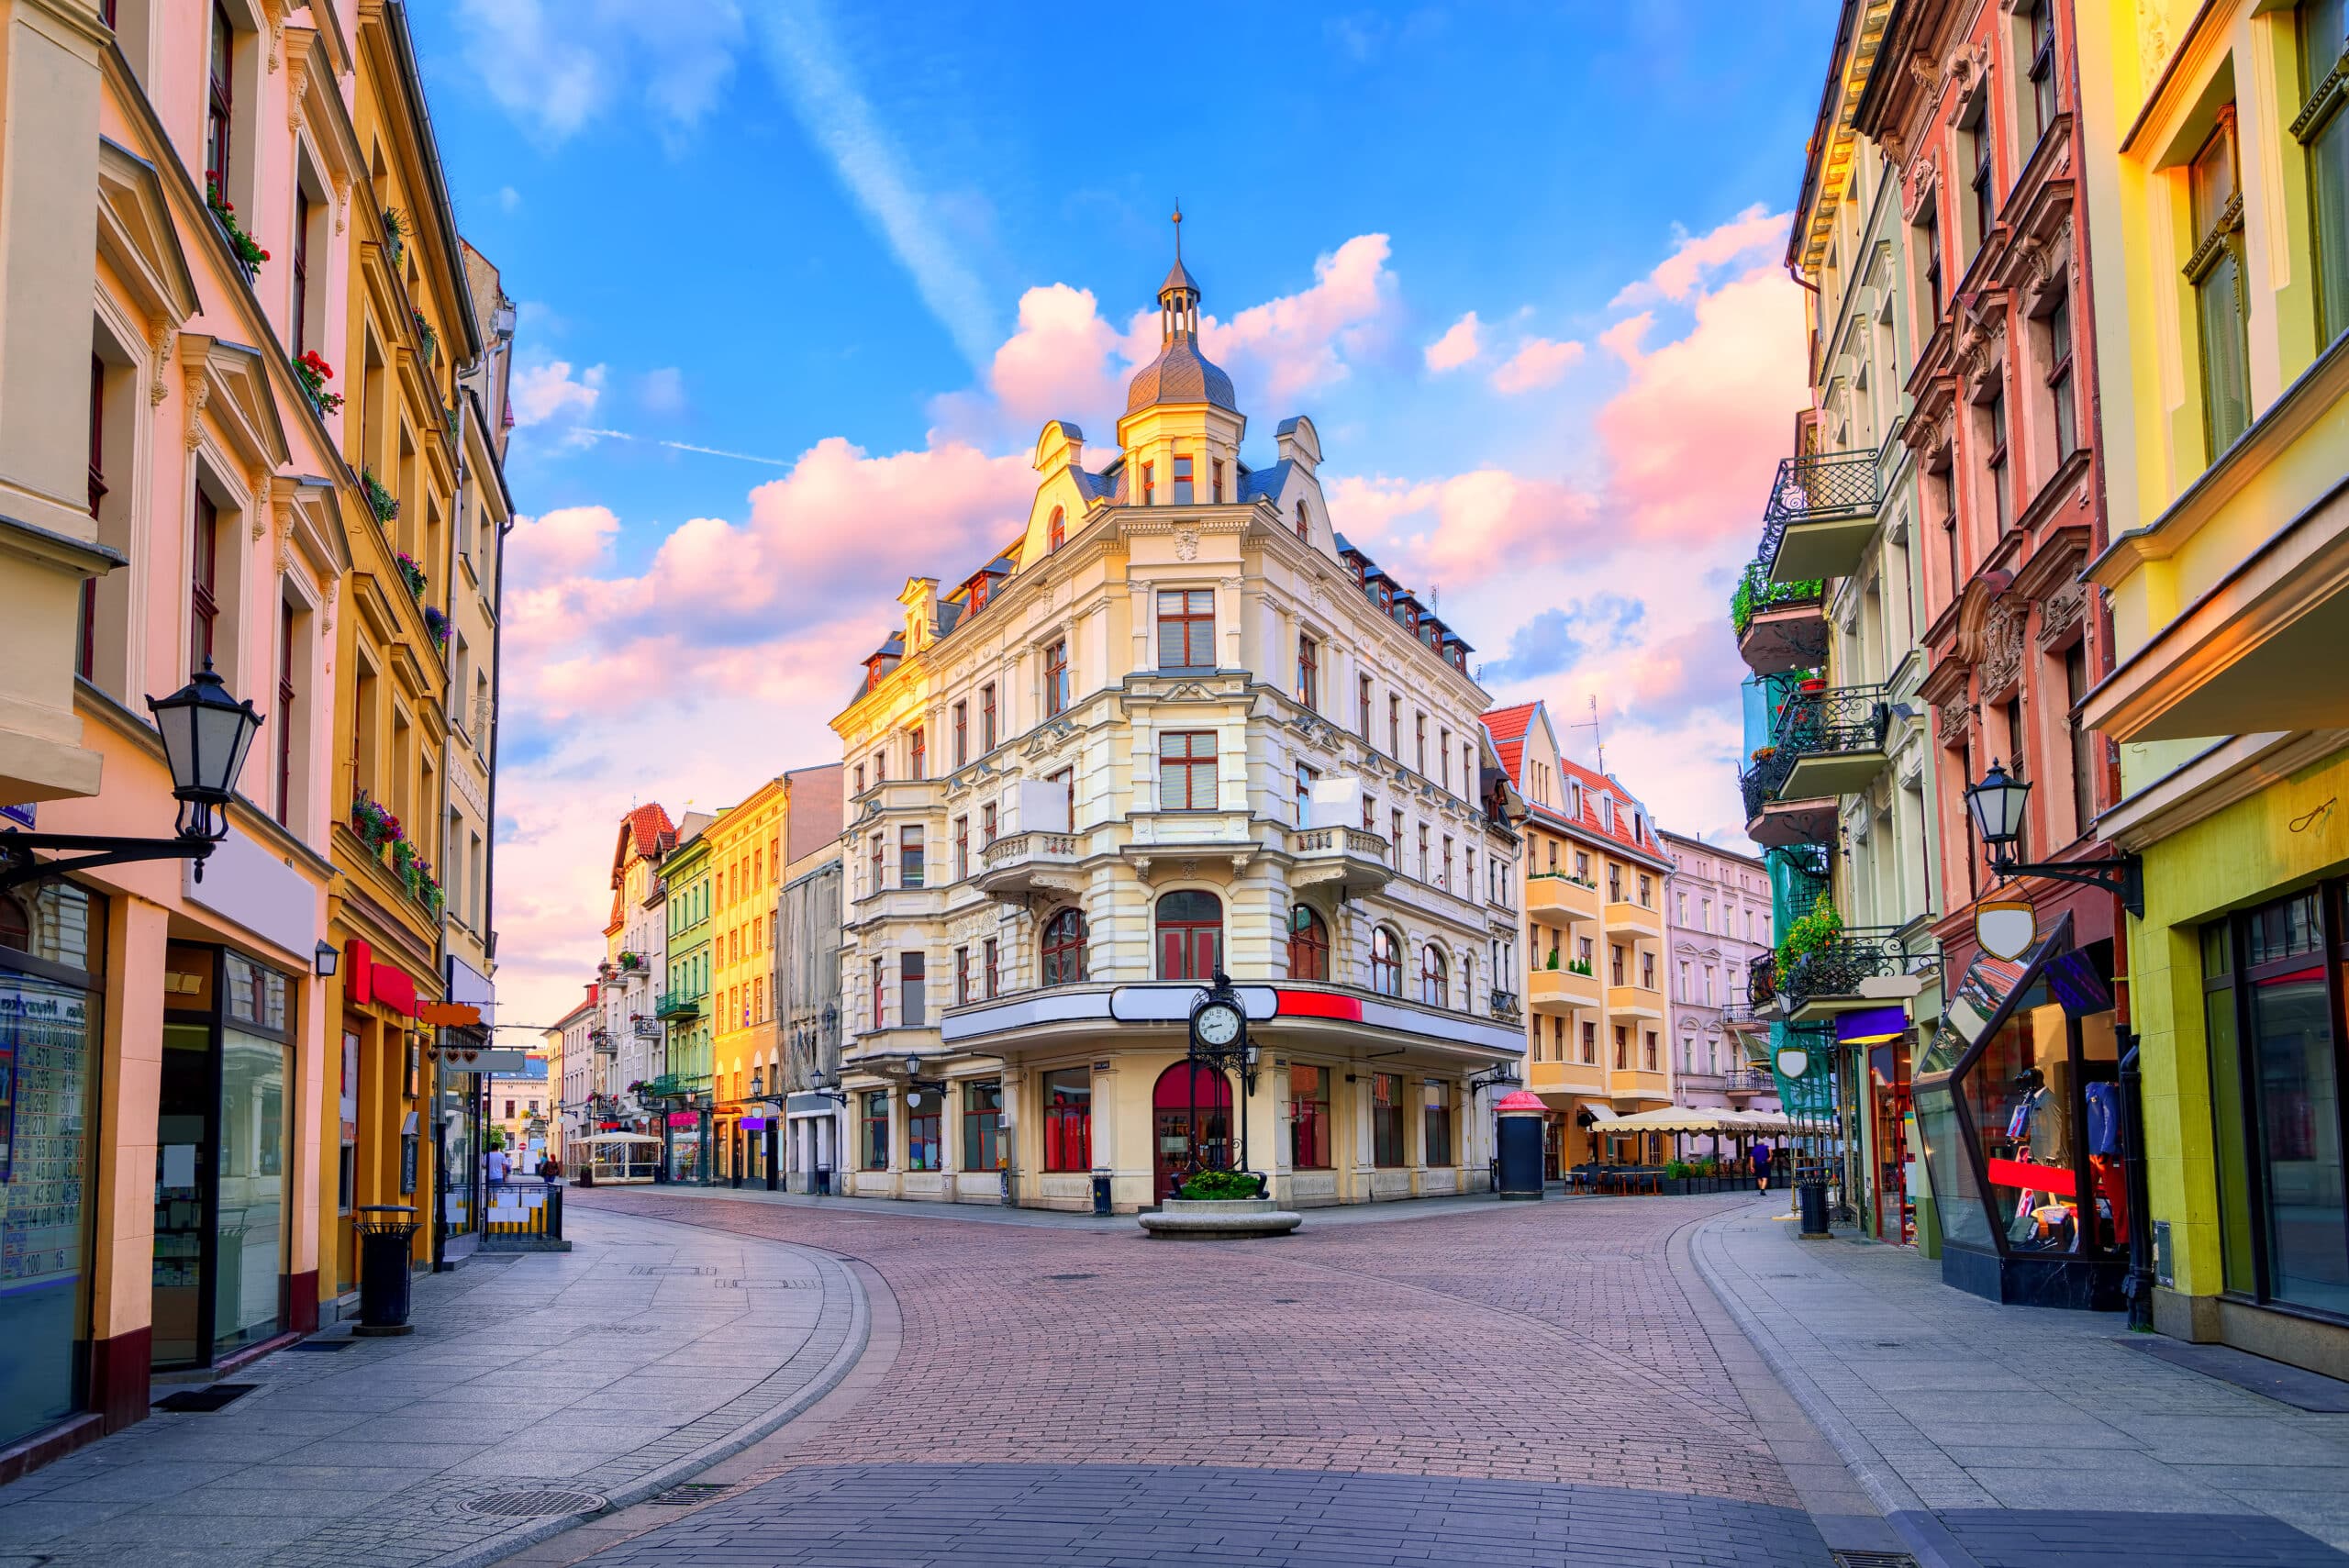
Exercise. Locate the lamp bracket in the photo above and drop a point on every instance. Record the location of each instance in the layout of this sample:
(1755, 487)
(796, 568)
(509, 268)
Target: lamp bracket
(2123, 876)
(18, 865)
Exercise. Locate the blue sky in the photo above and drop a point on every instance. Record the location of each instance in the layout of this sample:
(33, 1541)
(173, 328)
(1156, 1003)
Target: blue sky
(829, 237)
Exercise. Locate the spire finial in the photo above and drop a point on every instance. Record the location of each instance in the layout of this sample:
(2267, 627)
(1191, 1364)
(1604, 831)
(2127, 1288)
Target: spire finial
(1178, 228)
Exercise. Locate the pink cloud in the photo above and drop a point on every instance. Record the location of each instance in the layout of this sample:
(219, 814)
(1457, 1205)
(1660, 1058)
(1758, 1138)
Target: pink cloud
(1538, 362)
(1751, 235)
(1472, 526)
(1458, 345)
(1055, 364)
(1290, 345)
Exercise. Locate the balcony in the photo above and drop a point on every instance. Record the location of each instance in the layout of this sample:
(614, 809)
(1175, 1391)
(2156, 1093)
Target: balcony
(1625, 915)
(1748, 1080)
(1860, 967)
(1634, 1001)
(1762, 1003)
(605, 1042)
(1566, 1078)
(1350, 858)
(1639, 1083)
(1020, 863)
(1558, 898)
(1738, 1017)
(1836, 736)
(1821, 514)
(1780, 625)
(678, 1003)
(1560, 991)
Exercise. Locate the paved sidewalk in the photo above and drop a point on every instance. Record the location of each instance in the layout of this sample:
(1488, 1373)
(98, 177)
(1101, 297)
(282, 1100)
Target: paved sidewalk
(608, 1373)
(2017, 1437)
(1053, 1218)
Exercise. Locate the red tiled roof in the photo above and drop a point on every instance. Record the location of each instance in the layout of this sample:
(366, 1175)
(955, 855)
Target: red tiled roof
(646, 828)
(1507, 726)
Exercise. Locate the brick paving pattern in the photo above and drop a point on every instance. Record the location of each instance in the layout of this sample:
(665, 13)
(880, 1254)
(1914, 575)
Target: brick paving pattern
(1542, 1360)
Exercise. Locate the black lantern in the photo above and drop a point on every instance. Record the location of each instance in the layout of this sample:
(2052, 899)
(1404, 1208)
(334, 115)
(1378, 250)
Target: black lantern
(1996, 805)
(324, 959)
(205, 735)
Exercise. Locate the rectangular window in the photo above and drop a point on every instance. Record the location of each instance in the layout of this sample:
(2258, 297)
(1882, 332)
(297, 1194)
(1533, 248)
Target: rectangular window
(1055, 679)
(986, 718)
(1394, 727)
(1622, 1048)
(876, 1130)
(2043, 106)
(1589, 1044)
(284, 714)
(1386, 1140)
(2083, 741)
(1395, 838)
(987, 969)
(1647, 971)
(1423, 851)
(2216, 271)
(1182, 479)
(1420, 741)
(1438, 1126)
(923, 1115)
(1994, 417)
(962, 848)
(962, 733)
(2059, 378)
(909, 989)
(203, 602)
(1066, 779)
(987, 823)
(1443, 757)
(1615, 964)
(921, 755)
(1929, 244)
(1361, 706)
(962, 976)
(983, 1141)
(1186, 772)
(1187, 629)
(219, 102)
(1309, 1118)
(1981, 144)
(1149, 484)
(2322, 125)
(1305, 777)
(1648, 1058)
(908, 857)
(1068, 1119)
(1309, 673)
(877, 884)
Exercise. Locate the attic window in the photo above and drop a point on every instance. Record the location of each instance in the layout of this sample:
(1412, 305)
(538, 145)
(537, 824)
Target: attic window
(979, 592)
(1304, 526)
(1055, 532)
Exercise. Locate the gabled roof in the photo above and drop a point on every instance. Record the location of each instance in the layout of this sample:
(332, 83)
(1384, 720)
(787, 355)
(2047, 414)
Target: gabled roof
(645, 831)
(1509, 727)
(1264, 484)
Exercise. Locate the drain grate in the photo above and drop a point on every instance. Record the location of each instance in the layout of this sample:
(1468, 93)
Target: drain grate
(535, 1505)
(619, 1328)
(1283, 1301)
(687, 1494)
(671, 1271)
(216, 1397)
(1849, 1559)
(1072, 1276)
(322, 1345)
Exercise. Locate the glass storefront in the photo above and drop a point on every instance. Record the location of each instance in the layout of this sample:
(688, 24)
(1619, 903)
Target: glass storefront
(2273, 979)
(457, 1129)
(51, 945)
(222, 1156)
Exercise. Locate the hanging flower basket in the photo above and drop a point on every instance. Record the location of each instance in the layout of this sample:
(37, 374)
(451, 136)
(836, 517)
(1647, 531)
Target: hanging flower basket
(375, 826)
(380, 501)
(249, 253)
(436, 623)
(313, 374)
(411, 572)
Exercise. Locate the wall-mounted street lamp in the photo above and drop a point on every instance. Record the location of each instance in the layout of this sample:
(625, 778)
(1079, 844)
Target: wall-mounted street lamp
(324, 959)
(205, 735)
(1996, 805)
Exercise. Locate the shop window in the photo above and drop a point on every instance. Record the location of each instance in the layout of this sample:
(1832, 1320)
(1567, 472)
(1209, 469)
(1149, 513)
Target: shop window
(1189, 935)
(1386, 1136)
(2216, 271)
(1068, 1119)
(1309, 1124)
(2322, 125)
(1385, 962)
(983, 1148)
(925, 1111)
(1309, 944)
(876, 1138)
(1064, 939)
(1438, 1116)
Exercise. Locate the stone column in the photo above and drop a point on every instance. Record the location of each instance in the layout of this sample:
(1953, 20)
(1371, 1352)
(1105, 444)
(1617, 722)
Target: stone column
(130, 1067)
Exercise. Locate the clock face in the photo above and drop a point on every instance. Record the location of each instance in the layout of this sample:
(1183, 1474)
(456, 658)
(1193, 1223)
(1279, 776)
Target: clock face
(1218, 1024)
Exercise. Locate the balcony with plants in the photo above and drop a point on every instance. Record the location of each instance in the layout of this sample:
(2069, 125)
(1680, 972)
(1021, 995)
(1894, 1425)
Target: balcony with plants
(1825, 967)
(678, 1003)
(1829, 740)
(1779, 626)
(384, 838)
(1561, 898)
(1561, 986)
(1821, 514)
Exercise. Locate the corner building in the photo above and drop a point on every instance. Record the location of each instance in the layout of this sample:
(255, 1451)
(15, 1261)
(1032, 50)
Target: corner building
(1175, 726)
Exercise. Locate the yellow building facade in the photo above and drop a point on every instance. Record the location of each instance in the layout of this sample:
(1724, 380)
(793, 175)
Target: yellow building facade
(745, 871)
(2217, 198)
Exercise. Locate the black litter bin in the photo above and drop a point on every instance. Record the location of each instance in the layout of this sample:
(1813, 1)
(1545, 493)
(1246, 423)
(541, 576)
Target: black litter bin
(1812, 1197)
(824, 1180)
(385, 1230)
(1100, 1195)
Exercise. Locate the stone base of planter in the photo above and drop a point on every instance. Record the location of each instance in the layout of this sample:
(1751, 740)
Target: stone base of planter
(1220, 1219)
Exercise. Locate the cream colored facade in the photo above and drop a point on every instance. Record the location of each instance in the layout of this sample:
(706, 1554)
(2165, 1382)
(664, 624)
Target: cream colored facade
(1175, 716)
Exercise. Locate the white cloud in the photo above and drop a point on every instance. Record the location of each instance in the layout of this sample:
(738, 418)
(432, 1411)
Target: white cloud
(1538, 362)
(550, 392)
(554, 66)
(1747, 238)
(837, 115)
(1459, 344)
(662, 391)
(508, 198)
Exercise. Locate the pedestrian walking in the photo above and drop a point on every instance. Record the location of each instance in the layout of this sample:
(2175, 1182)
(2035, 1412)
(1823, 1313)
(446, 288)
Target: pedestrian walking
(497, 1167)
(1764, 1158)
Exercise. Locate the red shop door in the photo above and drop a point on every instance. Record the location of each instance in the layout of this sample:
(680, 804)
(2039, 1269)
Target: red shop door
(1171, 1123)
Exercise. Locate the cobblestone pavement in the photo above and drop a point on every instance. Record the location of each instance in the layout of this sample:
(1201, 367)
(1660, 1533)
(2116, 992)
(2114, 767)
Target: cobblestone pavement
(640, 1356)
(2015, 1437)
(1530, 1384)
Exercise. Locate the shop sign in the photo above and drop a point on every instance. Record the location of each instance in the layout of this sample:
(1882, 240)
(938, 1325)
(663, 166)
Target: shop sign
(1793, 1062)
(22, 816)
(754, 1124)
(684, 1118)
(449, 1015)
(2006, 928)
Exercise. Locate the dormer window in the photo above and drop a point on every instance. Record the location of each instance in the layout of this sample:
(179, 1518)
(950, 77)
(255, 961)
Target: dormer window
(1304, 524)
(1055, 531)
(1214, 481)
(1149, 484)
(979, 592)
(1182, 480)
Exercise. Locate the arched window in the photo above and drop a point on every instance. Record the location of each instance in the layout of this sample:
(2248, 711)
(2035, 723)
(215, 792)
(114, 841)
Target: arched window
(1304, 526)
(1435, 977)
(1064, 948)
(1385, 962)
(1056, 532)
(1190, 935)
(1309, 945)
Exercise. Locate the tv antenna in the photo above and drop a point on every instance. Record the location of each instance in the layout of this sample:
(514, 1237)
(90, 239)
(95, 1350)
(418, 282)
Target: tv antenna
(1598, 741)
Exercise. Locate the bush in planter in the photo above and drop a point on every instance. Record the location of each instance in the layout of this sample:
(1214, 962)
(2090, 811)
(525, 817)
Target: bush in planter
(1677, 1170)
(1809, 934)
(1212, 1187)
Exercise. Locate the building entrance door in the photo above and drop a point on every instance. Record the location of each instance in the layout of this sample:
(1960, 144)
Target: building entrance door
(1172, 1121)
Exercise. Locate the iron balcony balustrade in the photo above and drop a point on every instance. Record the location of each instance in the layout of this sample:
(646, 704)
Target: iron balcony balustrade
(678, 1003)
(1761, 990)
(1780, 627)
(1747, 1080)
(1821, 514)
(1862, 967)
(1829, 743)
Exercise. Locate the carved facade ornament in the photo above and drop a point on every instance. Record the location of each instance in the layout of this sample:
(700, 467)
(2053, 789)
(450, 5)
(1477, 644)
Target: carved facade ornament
(284, 537)
(1056, 882)
(260, 486)
(1186, 544)
(2061, 611)
(1954, 716)
(297, 82)
(158, 389)
(2153, 44)
(334, 592)
(199, 389)
(1928, 74)
(341, 204)
(2001, 664)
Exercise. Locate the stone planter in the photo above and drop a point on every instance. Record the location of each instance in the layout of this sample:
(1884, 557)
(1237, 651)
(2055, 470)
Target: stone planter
(1220, 1219)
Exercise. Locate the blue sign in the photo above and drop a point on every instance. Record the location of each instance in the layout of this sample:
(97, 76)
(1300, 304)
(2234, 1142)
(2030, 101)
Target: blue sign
(22, 816)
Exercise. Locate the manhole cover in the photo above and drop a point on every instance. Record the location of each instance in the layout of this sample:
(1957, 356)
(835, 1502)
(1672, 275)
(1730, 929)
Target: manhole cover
(211, 1398)
(535, 1505)
(1072, 1276)
(671, 1271)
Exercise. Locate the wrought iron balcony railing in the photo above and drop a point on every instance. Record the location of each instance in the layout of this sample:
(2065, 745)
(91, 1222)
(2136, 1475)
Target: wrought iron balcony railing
(1748, 1080)
(1858, 953)
(1762, 985)
(1829, 721)
(678, 1003)
(1826, 487)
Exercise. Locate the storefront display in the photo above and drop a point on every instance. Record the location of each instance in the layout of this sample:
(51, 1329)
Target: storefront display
(2018, 1104)
(49, 943)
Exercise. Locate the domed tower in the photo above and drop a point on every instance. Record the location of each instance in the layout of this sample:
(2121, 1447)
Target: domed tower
(1182, 428)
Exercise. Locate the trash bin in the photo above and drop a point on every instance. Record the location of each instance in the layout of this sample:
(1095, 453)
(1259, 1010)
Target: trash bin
(384, 1231)
(824, 1180)
(1100, 1195)
(1813, 1196)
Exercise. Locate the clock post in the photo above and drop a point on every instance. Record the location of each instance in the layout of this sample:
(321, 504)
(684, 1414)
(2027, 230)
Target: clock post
(1220, 1045)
